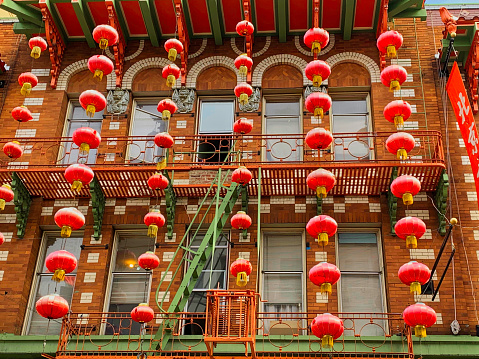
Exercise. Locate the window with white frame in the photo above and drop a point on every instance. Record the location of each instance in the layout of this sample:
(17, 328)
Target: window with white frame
(146, 122)
(76, 118)
(360, 261)
(349, 116)
(129, 283)
(44, 285)
(215, 126)
(282, 116)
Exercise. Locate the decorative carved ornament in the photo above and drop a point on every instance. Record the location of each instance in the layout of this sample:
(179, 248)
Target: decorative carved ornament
(184, 98)
(117, 101)
(253, 102)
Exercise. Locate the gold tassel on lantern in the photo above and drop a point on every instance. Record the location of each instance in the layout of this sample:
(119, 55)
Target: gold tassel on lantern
(243, 70)
(36, 52)
(90, 110)
(317, 80)
(420, 331)
(411, 242)
(315, 47)
(402, 154)
(77, 186)
(318, 111)
(243, 99)
(415, 287)
(84, 148)
(98, 74)
(323, 238)
(326, 288)
(170, 81)
(172, 54)
(66, 231)
(2, 204)
(26, 89)
(321, 192)
(152, 230)
(394, 85)
(391, 51)
(241, 279)
(160, 165)
(398, 121)
(103, 44)
(165, 115)
(327, 341)
(59, 275)
(407, 199)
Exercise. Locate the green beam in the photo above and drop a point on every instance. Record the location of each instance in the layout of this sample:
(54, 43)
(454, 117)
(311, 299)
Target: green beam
(146, 11)
(27, 28)
(98, 202)
(86, 23)
(397, 6)
(170, 206)
(393, 202)
(349, 6)
(412, 13)
(22, 201)
(441, 201)
(121, 19)
(213, 10)
(282, 19)
(186, 14)
(56, 20)
(21, 11)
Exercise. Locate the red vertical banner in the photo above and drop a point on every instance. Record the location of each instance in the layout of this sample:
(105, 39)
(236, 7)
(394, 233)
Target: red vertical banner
(462, 108)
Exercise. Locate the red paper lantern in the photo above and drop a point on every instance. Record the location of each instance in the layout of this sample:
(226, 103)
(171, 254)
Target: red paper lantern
(322, 227)
(164, 140)
(243, 91)
(13, 149)
(167, 108)
(325, 275)
(173, 47)
(244, 28)
(148, 261)
(6, 195)
(100, 65)
(142, 313)
(414, 275)
(241, 175)
(157, 182)
(69, 219)
(411, 229)
(389, 42)
(393, 77)
(397, 112)
(327, 327)
(241, 220)
(86, 138)
(21, 114)
(60, 263)
(28, 81)
(319, 139)
(316, 39)
(243, 126)
(406, 187)
(37, 44)
(154, 220)
(52, 306)
(400, 144)
(105, 36)
(243, 63)
(318, 103)
(241, 269)
(2, 238)
(92, 101)
(420, 316)
(321, 181)
(171, 73)
(79, 175)
(317, 71)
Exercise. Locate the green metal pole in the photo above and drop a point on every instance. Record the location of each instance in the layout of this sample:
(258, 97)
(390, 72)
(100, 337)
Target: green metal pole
(258, 230)
(218, 190)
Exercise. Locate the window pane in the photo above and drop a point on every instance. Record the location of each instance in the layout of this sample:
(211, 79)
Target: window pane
(283, 253)
(361, 293)
(345, 237)
(46, 286)
(350, 107)
(350, 124)
(79, 113)
(129, 249)
(197, 301)
(129, 289)
(283, 289)
(53, 244)
(360, 256)
(216, 117)
(71, 154)
(222, 240)
(282, 108)
(218, 280)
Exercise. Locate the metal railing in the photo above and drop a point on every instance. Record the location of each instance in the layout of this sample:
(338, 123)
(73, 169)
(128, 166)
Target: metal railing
(210, 150)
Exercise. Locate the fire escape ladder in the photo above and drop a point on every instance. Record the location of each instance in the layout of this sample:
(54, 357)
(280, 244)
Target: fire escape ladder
(221, 204)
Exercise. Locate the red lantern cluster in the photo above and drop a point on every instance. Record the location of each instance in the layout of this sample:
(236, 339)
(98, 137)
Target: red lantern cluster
(52, 306)
(393, 77)
(86, 138)
(105, 36)
(406, 187)
(241, 175)
(164, 140)
(414, 275)
(241, 269)
(328, 328)
(167, 107)
(13, 149)
(322, 227)
(419, 316)
(22, 114)
(158, 182)
(319, 139)
(317, 71)
(148, 261)
(173, 47)
(28, 81)
(241, 220)
(411, 229)
(397, 112)
(318, 103)
(243, 126)
(6, 195)
(325, 275)
(79, 175)
(154, 220)
(244, 28)
(37, 44)
(60, 263)
(316, 39)
(69, 219)
(243, 91)
(171, 73)
(142, 313)
(400, 144)
(389, 42)
(100, 66)
(92, 101)
(321, 181)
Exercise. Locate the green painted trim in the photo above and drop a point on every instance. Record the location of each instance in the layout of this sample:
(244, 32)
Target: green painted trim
(27, 28)
(440, 199)
(413, 13)
(121, 20)
(310, 14)
(154, 16)
(22, 201)
(282, 19)
(393, 203)
(213, 12)
(56, 20)
(85, 20)
(98, 202)
(186, 14)
(25, 12)
(148, 19)
(253, 18)
(395, 7)
(348, 20)
(376, 16)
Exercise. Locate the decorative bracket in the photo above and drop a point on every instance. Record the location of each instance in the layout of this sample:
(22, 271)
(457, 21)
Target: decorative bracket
(472, 71)
(248, 39)
(56, 45)
(22, 201)
(98, 207)
(392, 202)
(316, 9)
(440, 200)
(184, 38)
(170, 206)
(118, 49)
(382, 27)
